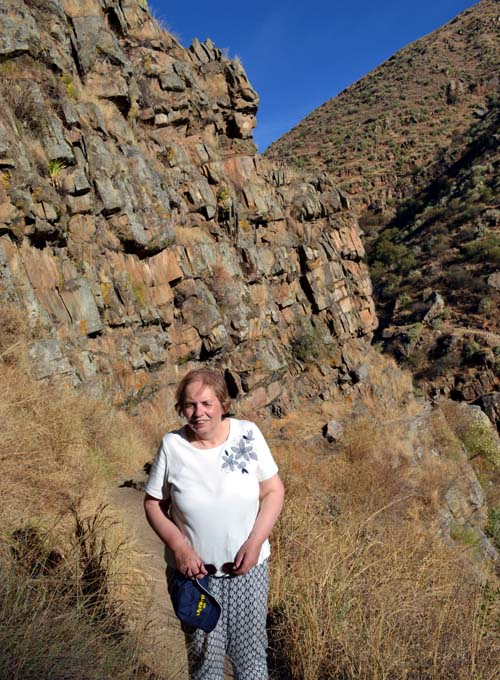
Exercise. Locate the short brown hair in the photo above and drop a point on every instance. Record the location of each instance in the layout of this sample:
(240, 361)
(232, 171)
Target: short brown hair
(207, 377)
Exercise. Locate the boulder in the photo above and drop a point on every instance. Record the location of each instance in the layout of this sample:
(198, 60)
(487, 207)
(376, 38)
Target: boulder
(478, 434)
(55, 144)
(436, 306)
(333, 431)
(48, 359)
(172, 82)
(81, 305)
(494, 280)
(18, 30)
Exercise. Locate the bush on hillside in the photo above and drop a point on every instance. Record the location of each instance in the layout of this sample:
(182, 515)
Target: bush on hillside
(483, 249)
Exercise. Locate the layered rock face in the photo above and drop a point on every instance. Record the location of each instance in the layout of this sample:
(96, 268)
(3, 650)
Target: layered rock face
(139, 230)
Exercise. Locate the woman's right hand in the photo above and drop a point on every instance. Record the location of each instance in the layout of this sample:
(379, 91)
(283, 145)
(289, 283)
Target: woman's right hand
(186, 559)
(188, 562)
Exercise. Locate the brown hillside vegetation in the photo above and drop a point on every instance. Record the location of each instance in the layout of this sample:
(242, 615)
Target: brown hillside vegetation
(362, 585)
(374, 136)
(366, 593)
(435, 269)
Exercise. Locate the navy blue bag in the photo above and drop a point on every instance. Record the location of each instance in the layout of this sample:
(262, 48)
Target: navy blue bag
(193, 603)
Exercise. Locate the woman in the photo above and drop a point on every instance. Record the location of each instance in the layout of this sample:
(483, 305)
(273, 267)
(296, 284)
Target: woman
(225, 495)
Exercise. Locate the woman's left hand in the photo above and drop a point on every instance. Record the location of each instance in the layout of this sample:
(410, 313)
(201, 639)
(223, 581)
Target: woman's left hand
(246, 557)
(271, 496)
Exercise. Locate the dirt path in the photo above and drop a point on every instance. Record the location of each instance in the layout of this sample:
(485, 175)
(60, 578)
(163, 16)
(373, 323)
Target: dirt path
(492, 338)
(165, 651)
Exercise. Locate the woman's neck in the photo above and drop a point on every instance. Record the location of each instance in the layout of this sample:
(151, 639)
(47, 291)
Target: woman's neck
(211, 441)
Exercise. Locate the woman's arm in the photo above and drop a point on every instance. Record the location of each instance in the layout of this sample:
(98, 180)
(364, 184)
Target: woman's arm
(186, 559)
(272, 493)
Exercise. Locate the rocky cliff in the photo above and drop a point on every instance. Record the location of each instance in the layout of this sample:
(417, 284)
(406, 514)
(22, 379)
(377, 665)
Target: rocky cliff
(140, 231)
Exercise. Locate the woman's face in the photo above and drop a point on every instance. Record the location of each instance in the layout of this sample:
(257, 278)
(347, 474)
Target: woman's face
(202, 410)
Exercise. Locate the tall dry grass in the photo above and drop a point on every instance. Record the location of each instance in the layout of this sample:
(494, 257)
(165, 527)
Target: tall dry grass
(58, 618)
(362, 585)
(63, 570)
(58, 446)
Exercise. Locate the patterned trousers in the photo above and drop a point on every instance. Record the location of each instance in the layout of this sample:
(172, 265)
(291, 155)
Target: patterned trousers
(240, 632)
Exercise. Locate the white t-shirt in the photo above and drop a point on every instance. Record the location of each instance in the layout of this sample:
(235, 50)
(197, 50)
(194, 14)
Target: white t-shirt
(214, 493)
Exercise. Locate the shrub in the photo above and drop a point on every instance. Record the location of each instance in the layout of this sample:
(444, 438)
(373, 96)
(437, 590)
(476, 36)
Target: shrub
(56, 168)
(415, 331)
(487, 248)
(407, 263)
(493, 526)
(461, 281)
(309, 345)
(388, 252)
(23, 98)
(391, 284)
(485, 305)
(404, 300)
(440, 244)
(69, 84)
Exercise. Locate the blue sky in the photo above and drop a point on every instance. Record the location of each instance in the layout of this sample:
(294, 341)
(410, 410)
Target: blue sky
(298, 55)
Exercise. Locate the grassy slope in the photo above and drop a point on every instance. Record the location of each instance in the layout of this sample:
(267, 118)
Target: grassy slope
(374, 136)
(361, 585)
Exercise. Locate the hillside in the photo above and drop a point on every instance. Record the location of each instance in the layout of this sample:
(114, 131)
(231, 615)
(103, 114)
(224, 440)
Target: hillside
(436, 274)
(415, 143)
(140, 236)
(377, 135)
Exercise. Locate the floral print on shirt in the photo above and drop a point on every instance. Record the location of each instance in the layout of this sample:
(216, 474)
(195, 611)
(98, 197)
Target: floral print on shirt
(242, 453)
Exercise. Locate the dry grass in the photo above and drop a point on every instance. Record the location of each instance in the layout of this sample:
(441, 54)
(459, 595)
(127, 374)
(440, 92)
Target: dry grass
(57, 446)
(58, 443)
(58, 617)
(64, 570)
(353, 601)
(25, 102)
(362, 586)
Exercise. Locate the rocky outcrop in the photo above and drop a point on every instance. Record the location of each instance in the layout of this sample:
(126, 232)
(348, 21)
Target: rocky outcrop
(140, 231)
